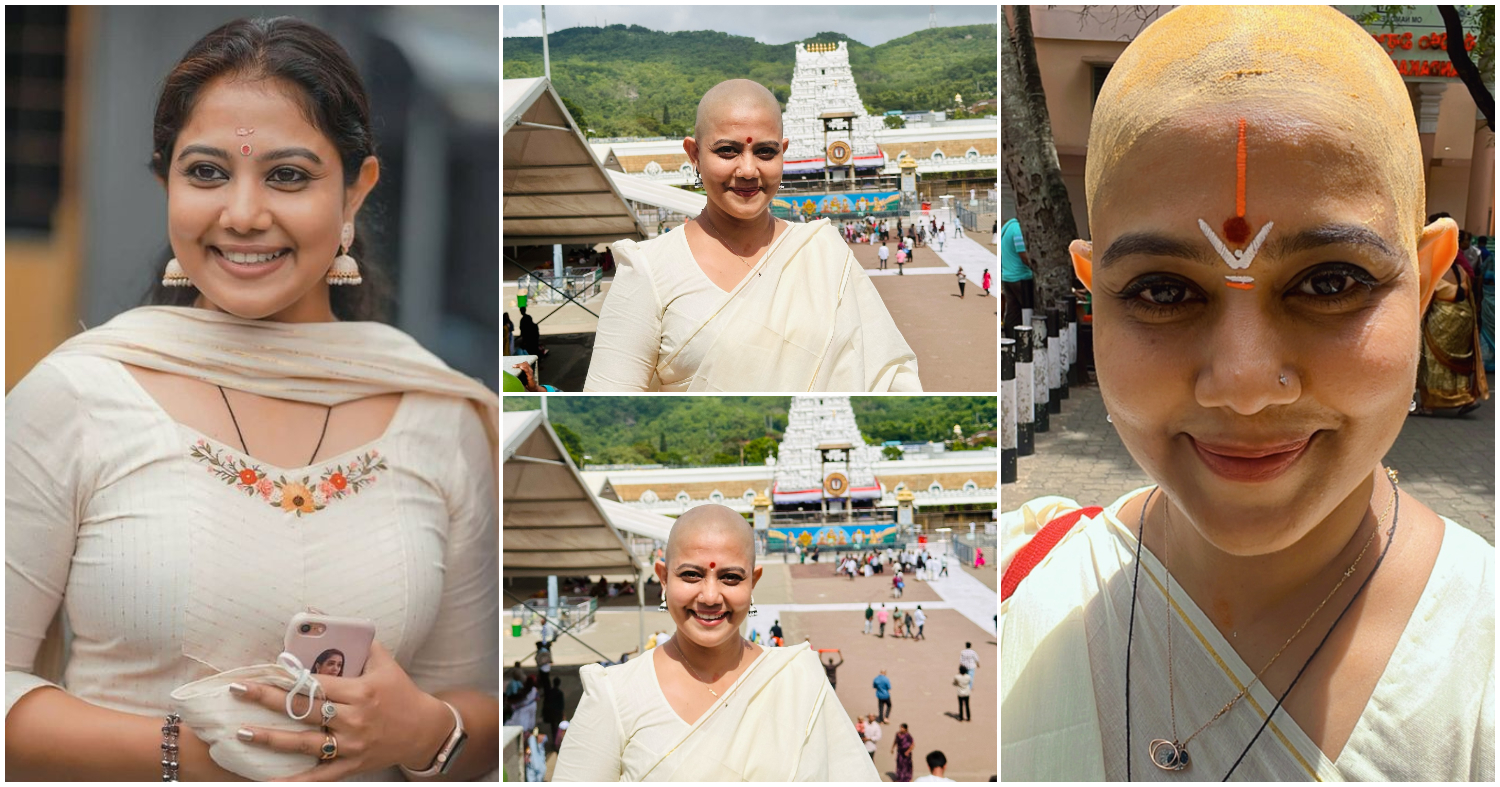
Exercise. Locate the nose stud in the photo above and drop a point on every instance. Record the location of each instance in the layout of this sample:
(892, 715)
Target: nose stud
(1282, 379)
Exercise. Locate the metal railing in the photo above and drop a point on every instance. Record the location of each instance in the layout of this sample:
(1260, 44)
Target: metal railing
(576, 283)
(574, 613)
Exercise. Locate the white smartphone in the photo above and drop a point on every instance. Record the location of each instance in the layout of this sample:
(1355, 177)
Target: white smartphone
(328, 645)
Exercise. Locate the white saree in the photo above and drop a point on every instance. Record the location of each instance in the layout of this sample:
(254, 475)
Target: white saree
(1062, 686)
(780, 721)
(805, 318)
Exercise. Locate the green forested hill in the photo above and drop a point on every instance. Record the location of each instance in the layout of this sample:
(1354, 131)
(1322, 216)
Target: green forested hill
(630, 81)
(678, 430)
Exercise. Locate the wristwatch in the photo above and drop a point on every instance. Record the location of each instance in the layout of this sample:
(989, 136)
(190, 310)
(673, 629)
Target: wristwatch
(448, 752)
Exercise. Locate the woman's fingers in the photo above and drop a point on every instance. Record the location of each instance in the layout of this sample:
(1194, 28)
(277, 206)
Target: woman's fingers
(309, 743)
(274, 698)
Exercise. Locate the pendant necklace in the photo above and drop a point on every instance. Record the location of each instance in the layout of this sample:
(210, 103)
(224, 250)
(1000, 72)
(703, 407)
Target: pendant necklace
(1172, 755)
(707, 684)
(709, 225)
(328, 413)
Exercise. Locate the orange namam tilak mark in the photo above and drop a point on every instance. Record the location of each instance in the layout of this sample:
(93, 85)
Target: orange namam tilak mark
(1236, 229)
(1239, 285)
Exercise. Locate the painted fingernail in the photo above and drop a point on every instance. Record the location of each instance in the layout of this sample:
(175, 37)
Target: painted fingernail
(238, 689)
(245, 734)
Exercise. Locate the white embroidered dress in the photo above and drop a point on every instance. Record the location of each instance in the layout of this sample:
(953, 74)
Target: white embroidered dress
(176, 557)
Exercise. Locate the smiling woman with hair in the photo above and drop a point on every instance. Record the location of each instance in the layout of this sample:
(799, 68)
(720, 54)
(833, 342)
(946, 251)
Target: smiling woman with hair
(709, 705)
(739, 300)
(1274, 608)
(184, 479)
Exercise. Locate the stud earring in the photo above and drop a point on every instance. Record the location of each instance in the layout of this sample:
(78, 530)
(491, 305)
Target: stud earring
(1109, 418)
(175, 276)
(1411, 407)
(345, 269)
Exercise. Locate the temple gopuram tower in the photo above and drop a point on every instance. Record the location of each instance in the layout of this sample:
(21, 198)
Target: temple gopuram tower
(823, 457)
(823, 89)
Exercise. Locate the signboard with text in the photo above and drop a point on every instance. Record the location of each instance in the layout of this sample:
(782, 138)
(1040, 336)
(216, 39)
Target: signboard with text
(1416, 39)
(815, 205)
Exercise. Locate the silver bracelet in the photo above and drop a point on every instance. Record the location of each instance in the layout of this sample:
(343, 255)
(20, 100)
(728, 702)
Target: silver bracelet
(169, 747)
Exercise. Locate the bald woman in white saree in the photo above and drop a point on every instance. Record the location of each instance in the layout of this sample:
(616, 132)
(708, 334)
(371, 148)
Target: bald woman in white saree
(709, 705)
(737, 300)
(1275, 607)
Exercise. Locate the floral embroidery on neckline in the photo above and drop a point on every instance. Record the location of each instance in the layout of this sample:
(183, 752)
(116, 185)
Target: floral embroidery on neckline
(294, 495)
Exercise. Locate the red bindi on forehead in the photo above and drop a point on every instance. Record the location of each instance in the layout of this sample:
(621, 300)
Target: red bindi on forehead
(747, 140)
(711, 565)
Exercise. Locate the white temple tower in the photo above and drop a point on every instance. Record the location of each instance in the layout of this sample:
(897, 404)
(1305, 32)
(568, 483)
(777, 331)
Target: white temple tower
(822, 82)
(822, 441)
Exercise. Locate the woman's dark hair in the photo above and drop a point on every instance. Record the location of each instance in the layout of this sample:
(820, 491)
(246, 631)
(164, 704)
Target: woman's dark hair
(328, 654)
(333, 101)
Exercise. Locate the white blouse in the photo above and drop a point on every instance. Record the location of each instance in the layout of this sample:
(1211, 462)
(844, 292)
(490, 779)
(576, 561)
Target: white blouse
(175, 556)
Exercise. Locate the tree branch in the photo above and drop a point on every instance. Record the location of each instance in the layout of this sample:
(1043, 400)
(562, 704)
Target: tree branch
(1467, 71)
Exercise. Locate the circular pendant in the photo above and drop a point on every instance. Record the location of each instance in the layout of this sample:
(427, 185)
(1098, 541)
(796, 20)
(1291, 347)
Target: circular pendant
(1168, 755)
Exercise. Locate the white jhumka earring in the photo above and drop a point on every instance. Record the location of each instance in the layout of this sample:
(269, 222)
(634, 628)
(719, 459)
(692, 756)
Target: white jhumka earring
(345, 269)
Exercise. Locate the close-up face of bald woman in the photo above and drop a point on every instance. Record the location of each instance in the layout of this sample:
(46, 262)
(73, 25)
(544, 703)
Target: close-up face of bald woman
(1259, 264)
(737, 147)
(708, 574)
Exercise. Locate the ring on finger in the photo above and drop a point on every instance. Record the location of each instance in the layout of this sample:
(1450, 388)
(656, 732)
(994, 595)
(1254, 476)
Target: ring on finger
(329, 711)
(329, 749)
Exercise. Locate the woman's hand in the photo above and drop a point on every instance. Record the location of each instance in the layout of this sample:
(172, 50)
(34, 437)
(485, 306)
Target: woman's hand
(381, 719)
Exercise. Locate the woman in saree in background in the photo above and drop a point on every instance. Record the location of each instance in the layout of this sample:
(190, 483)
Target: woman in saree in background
(1450, 378)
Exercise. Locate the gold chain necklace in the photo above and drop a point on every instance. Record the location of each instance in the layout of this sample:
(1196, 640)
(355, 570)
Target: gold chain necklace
(1170, 755)
(707, 684)
(709, 225)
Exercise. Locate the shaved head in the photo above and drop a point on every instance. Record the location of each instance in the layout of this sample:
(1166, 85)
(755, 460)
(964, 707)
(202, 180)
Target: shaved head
(713, 521)
(1301, 72)
(734, 96)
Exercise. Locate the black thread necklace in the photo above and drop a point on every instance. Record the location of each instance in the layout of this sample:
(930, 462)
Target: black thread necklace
(1130, 636)
(328, 413)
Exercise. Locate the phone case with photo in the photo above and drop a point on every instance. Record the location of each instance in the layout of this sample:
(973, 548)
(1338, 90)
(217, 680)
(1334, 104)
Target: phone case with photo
(319, 641)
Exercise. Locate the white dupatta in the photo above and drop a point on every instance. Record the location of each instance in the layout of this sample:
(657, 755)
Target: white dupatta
(325, 363)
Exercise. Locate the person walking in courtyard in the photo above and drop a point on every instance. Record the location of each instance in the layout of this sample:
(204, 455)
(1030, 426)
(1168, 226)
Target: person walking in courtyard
(881, 618)
(961, 281)
(985, 282)
(536, 756)
(936, 764)
(902, 746)
(898, 622)
(944, 564)
(833, 669)
(869, 615)
(882, 696)
(965, 683)
(872, 735)
(968, 658)
(884, 253)
(920, 619)
(911, 631)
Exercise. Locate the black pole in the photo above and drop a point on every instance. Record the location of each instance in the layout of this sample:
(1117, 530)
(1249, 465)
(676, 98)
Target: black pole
(1007, 411)
(1075, 369)
(1041, 359)
(1058, 391)
(1025, 392)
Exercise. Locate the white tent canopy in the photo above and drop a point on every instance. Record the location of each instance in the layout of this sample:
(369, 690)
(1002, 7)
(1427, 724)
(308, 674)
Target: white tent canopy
(637, 521)
(553, 524)
(555, 191)
(660, 195)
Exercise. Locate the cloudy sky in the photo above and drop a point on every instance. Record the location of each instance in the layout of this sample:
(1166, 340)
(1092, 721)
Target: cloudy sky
(768, 24)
